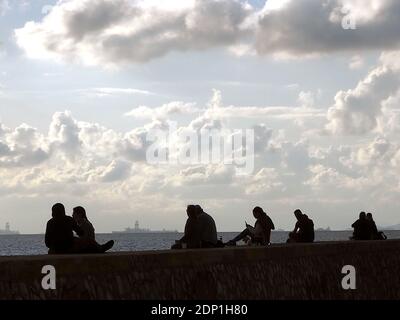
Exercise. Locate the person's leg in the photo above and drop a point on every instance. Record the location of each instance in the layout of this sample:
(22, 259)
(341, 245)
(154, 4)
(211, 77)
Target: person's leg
(207, 245)
(176, 246)
(245, 233)
(293, 238)
(79, 246)
(107, 246)
(268, 237)
(82, 245)
(94, 247)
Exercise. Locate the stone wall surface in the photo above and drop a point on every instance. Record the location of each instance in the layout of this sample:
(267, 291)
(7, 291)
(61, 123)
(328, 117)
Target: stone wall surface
(311, 271)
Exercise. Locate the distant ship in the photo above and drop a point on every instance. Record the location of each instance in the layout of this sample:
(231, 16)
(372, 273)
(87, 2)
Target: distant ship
(137, 229)
(7, 230)
(322, 229)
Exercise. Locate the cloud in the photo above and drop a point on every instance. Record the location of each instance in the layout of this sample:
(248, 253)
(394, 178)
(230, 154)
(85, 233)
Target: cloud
(116, 171)
(4, 7)
(356, 62)
(64, 134)
(108, 92)
(22, 147)
(357, 111)
(309, 27)
(114, 32)
(166, 110)
(88, 162)
(111, 33)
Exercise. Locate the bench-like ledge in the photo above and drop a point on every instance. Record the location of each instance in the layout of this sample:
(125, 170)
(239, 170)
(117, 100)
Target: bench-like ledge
(310, 271)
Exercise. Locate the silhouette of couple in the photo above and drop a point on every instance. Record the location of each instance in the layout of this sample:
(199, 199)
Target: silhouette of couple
(365, 228)
(200, 230)
(60, 239)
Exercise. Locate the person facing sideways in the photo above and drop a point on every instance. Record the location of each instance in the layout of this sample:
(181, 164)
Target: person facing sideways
(207, 228)
(87, 240)
(362, 228)
(304, 229)
(59, 237)
(376, 235)
(200, 230)
(259, 234)
(191, 238)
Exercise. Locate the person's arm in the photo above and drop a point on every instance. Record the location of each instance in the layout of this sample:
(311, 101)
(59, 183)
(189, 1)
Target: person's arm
(192, 234)
(258, 230)
(271, 224)
(48, 236)
(296, 227)
(185, 232)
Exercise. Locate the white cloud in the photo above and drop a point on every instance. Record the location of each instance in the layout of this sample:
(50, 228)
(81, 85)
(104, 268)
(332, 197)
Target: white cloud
(88, 162)
(110, 33)
(116, 171)
(356, 62)
(357, 111)
(176, 107)
(105, 32)
(107, 92)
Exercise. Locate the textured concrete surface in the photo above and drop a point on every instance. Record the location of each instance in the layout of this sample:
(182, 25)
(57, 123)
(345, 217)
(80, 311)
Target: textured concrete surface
(277, 272)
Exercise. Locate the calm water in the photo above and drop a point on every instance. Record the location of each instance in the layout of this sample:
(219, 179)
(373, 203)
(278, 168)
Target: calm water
(34, 244)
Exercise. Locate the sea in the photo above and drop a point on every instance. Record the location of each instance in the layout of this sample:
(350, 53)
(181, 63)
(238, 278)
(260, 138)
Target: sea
(14, 245)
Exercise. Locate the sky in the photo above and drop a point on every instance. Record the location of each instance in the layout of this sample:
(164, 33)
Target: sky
(84, 82)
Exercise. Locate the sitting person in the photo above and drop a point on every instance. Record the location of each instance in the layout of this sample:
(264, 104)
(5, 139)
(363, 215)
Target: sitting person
(362, 228)
(375, 234)
(260, 234)
(190, 239)
(304, 229)
(87, 241)
(59, 237)
(206, 228)
(200, 230)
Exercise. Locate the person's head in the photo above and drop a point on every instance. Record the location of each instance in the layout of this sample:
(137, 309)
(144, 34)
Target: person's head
(191, 211)
(258, 212)
(363, 216)
(199, 210)
(58, 210)
(369, 216)
(79, 214)
(298, 214)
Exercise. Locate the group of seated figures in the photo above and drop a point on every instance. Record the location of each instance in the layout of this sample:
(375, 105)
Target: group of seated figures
(76, 234)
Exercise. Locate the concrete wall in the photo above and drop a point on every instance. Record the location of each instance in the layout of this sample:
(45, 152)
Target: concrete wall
(278, 272)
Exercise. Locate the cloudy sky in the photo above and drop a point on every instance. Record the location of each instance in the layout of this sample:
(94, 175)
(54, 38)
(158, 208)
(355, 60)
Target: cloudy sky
(82, 82)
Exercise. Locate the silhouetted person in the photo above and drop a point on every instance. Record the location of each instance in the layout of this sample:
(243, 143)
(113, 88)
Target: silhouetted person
(59, 237)
(375, 234)
(362, 228)
(206, 228)
(372, 227)
(87, 241)
(261, 233)
(191, 235)
(304, 229)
